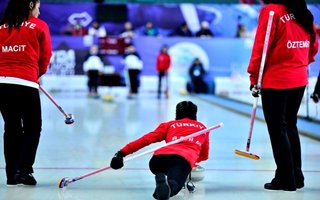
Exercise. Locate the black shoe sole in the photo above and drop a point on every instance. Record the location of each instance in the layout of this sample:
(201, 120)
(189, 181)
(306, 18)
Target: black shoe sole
(270, 187)
(12, 185)
(162, 188)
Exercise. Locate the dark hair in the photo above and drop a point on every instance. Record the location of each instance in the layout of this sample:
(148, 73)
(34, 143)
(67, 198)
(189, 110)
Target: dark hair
(16, 12)
(164, 46)
(186, 109)
(301, 13)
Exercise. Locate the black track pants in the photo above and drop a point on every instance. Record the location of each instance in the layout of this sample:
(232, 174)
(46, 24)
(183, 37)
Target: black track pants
(175, 167)
(280, 109)
(21, 111)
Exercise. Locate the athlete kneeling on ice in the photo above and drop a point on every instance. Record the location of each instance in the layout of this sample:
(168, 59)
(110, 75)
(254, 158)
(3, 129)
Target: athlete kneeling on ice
(171, 164)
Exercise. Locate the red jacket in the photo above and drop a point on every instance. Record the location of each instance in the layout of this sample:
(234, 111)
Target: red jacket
(25, 53)
(289, 51)
(163, 62)
(194, 151)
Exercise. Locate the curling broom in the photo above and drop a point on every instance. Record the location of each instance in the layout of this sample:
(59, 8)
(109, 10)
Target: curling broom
(254, 107)
(69, 119)
(66, 181)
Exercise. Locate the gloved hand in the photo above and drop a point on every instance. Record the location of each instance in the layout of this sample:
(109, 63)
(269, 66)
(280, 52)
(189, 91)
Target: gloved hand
(255, 92)
(315, 97)
(117, 160)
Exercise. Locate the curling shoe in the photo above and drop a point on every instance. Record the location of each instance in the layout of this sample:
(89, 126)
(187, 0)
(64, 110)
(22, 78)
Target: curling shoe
(12, 182)
(162, 187)
(300, 185)
(25, 178)
(273, 186)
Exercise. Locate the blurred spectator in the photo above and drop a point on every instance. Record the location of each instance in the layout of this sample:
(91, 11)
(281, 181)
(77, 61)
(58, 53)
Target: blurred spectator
(247, 1)
(182, 31)
(204, 30)
(150, 30)
(242, 31)
(67, 29)
(128, 31)
(97, 30)
(163, 65)
(197, 75)
(78, 29)
(93, 67)
(133, 65)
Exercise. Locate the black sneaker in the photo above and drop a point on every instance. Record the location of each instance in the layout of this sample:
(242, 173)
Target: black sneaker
(273, 186)
(300, 185)
(25, 178)
(162, 187)
(154, 195)
(12, 182)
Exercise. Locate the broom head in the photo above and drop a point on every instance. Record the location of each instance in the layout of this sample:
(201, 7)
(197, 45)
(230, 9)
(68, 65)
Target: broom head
(247, 154)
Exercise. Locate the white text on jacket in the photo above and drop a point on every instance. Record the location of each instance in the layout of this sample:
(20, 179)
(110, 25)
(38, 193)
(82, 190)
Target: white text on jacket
(182, 124)
(13, 48)
(287, 17)
(24, 24)
(298, 44)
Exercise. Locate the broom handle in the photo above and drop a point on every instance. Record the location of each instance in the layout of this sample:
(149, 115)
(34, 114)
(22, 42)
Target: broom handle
(52, 100)
(253, 115)
(265, 49)
(262, 63)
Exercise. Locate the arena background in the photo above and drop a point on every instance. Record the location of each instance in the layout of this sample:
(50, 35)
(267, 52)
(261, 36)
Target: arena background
(224, 56)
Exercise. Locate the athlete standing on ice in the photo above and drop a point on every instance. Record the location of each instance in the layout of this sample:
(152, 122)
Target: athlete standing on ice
(162, 65)
(171, 164)
(293, 44)
(25, 52)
